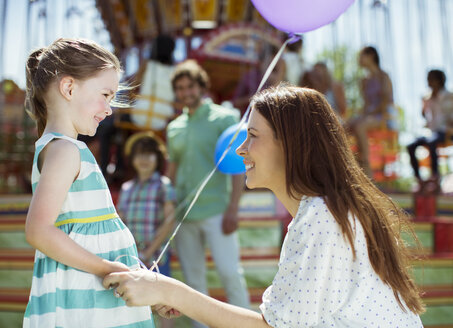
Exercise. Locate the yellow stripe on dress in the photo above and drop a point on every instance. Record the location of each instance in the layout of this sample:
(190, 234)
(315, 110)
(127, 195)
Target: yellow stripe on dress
(88, 220)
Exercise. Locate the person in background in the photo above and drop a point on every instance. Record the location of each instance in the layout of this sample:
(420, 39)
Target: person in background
(213, 220)
(378, 110)
(330, 88)
(154, 106)
(438, 111)
(250, 81)
(146, 203)
(343, 262)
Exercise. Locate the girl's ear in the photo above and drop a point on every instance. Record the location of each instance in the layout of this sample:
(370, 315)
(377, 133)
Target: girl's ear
(66, 87)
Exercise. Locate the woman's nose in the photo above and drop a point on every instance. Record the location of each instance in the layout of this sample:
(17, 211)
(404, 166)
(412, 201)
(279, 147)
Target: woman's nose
(108, 110)
(242, 149)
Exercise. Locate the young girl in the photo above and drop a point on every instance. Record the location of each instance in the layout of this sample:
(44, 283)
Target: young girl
(343, 263)
(71, 220)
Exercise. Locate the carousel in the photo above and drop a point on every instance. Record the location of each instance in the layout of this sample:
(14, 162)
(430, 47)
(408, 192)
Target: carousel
(225, 37)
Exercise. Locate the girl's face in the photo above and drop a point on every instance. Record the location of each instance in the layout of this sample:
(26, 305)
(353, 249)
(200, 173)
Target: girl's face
(91, 100)
(145, 164)
(263, 155)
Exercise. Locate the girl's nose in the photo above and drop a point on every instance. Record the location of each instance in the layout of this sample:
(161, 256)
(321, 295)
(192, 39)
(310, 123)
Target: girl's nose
(108, 110)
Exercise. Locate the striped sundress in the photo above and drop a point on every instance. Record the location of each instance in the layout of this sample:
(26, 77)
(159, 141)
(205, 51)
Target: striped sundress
(62, 296)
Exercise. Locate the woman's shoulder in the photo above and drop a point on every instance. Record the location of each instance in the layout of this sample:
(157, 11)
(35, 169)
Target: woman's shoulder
(312, 204)
(382, 76)
(313, 210)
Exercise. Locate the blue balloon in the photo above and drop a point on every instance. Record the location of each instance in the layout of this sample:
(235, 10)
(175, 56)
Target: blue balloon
(232, 163)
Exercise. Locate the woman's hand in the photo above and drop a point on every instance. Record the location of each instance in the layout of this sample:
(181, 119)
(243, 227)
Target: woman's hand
(165, 295)
(139, 287)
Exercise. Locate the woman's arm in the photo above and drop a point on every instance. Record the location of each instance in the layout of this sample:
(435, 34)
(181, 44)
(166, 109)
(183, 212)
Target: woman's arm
(386, 95)
(140, 288)
(362, 87)
(60, 168)
(340, 98)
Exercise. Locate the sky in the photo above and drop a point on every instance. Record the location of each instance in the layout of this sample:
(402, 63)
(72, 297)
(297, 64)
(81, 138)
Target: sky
(62, 22)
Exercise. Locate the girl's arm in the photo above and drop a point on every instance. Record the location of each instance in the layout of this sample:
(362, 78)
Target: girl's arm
(163, 231)
(60, 168)
(142, 287)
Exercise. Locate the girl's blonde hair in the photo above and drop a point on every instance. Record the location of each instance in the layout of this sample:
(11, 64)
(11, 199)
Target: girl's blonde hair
(78, 58)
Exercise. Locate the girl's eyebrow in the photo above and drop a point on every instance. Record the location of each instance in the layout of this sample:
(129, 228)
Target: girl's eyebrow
(110, 91)
(252, 128)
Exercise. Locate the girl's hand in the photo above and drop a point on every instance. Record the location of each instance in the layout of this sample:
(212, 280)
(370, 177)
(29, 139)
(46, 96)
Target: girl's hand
(139, 287)
(166, 311)
(110, 267)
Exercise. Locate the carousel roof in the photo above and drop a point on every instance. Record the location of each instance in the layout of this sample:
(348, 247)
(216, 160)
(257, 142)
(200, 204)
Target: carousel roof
(132, 22)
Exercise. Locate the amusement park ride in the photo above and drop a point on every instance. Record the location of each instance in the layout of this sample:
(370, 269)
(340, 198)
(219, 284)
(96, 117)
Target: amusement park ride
(229, 34)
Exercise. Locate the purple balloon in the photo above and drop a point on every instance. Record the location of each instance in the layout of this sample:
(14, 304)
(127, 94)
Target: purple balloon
(299, 16)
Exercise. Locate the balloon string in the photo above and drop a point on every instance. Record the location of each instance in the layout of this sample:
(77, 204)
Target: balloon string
(140, 262)
(266, 75)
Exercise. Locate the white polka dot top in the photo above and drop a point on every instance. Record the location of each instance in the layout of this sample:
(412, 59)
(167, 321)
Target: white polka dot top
(319, 285)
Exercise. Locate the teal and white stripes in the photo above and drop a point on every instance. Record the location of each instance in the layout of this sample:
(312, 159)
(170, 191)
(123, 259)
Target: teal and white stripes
(62, 296)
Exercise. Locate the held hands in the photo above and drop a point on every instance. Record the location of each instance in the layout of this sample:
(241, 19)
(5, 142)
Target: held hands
(139, 287)
(142, 287)
(110, 266)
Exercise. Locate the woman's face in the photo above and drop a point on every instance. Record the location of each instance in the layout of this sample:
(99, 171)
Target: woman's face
(364, 59)
(263, 155)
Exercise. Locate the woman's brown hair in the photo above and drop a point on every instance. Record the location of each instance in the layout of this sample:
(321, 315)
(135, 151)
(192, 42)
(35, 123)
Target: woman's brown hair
(78, 58)
(319, 162)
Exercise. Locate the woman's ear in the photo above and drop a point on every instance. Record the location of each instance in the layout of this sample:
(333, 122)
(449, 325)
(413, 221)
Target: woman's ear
(66, 87)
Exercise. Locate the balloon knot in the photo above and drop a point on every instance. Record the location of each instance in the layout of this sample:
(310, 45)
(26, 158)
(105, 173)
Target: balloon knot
(294, 37)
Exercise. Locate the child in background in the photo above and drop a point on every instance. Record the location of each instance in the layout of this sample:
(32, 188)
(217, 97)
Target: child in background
(72, 221)
(147, 202)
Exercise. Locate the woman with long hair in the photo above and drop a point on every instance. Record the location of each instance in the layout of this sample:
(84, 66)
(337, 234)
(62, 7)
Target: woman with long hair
(378, 109)
(343, 262)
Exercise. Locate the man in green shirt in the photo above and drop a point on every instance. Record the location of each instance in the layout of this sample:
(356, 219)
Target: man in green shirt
(213, 220)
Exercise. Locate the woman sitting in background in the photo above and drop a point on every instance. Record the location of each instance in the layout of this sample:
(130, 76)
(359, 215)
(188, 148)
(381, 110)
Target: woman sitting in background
(378, 110)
